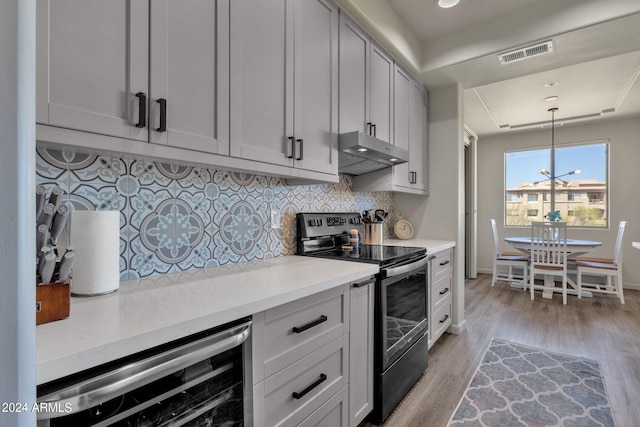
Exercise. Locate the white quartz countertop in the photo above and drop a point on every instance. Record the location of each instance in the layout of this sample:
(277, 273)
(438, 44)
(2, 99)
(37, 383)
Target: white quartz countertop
(433, 246)
(147, 312)
(636, 245)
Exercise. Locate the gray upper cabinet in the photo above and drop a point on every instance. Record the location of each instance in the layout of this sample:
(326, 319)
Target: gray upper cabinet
(366, 76)
(410, 119)
(188, 103)
(92, 60)
(284, 83)
(146, 70)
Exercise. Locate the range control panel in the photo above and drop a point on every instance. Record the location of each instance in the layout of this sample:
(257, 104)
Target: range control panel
(312, 225)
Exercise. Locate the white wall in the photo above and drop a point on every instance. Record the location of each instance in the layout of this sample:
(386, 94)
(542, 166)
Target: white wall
(624, 190)
(17, 228)
(441, 214)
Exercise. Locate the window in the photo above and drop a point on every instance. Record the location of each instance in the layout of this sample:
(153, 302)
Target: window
(573, 197)
(512, 197)
(581, 184)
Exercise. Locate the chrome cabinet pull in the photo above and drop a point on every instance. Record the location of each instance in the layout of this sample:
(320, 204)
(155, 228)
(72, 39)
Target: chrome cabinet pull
(300, 394)
(299, 329)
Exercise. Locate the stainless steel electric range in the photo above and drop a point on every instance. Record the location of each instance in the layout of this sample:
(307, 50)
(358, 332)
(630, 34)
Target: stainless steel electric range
(400, 320)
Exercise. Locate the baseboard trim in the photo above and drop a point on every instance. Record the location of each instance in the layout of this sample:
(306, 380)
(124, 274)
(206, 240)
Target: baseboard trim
(458, 328)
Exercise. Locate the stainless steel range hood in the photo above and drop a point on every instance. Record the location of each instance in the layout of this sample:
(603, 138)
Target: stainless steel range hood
(360, 153)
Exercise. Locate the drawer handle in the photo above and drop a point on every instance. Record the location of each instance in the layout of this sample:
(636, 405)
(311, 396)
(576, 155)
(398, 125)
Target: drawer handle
(444, 319)
(300, 394)
(444, 291)
(444, 262)
(363, 284)
(298, 329)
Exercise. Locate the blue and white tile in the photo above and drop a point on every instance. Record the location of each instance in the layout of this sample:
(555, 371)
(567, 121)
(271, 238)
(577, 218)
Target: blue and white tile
(151, 231)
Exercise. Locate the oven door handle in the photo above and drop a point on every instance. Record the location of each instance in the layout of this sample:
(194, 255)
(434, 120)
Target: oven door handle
(396, 271)
(94, 391)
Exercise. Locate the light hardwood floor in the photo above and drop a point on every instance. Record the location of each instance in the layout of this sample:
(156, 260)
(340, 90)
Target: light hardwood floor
(598, 328)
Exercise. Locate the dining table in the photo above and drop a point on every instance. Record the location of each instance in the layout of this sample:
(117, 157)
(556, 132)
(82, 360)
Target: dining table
(575, 247)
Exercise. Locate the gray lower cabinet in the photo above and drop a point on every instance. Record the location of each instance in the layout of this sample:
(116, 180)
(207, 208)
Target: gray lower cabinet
(313, 359)
(441, 299)
(300, 358)
(361, 314)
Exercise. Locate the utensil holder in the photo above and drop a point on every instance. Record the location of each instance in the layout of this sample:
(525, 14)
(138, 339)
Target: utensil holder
(373, 234)
(53, 301)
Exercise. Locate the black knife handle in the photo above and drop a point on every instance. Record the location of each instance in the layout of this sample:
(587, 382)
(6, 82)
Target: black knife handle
(300, 394)
(290, 146)
(163, 115)
(299, 329)
(142, 110)
(300, 142)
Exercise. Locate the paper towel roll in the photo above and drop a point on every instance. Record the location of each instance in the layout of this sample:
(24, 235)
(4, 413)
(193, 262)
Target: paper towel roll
(96, 235)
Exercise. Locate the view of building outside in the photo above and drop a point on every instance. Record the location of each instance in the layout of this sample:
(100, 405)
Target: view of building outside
(581, 185)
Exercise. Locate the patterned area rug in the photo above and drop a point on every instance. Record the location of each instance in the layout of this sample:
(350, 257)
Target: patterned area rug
(516, 385)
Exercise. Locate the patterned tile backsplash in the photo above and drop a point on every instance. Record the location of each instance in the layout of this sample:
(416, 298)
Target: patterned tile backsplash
(176, 218)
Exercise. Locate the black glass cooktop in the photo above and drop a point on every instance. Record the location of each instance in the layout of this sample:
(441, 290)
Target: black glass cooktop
(375, 254)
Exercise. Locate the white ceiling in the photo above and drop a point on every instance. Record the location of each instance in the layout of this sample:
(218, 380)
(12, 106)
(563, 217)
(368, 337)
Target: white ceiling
(596, 57)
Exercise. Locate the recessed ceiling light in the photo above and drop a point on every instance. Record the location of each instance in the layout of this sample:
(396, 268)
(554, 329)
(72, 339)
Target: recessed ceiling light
(551, 98)
(362, 150)
(551, 84)
(447, 3)
(393, 159)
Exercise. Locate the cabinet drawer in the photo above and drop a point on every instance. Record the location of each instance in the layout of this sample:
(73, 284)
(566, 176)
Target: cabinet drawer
(294, 330)
(441, 320)
(442, 264)
(314, 379)
(331, 414)
(441, 291)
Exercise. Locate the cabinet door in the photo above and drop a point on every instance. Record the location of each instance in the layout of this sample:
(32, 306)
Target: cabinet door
(261, 73)
(402, 97)
(361, 351)
(354, 75)
(316, 85)
(92, 60)
(381, 91)
(187, 58)
(418, 137)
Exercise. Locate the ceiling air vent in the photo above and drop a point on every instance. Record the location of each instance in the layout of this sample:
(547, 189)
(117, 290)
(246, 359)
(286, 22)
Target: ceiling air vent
(526, 52)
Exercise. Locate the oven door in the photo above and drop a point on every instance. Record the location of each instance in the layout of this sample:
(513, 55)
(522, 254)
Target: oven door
(403, 308)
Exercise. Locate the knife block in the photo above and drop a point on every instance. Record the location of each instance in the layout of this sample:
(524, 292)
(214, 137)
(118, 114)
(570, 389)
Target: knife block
(53, 301)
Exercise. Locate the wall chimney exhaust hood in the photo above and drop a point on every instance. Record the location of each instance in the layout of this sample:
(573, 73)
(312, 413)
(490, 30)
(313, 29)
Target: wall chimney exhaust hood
(360, 153)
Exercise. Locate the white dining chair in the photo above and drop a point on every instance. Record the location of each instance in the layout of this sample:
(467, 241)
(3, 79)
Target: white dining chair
(549, 253)
(520, 261)
(610, 268)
